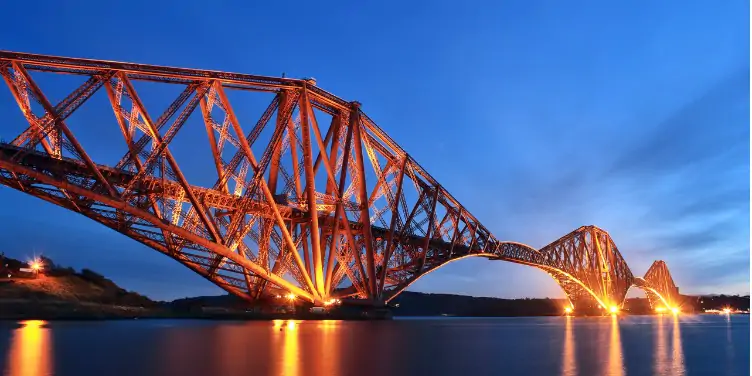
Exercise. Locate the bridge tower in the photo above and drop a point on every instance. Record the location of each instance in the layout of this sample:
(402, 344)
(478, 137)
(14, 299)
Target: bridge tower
(659, 287)
(589, 268)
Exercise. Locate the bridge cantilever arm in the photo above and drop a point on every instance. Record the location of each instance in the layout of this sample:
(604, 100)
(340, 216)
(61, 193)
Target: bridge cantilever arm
(214, 247)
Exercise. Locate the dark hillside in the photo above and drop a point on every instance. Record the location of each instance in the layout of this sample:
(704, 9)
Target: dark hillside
(57, 283)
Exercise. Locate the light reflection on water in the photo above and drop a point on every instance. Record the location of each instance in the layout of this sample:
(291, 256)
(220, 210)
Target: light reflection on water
(615, 356)
(329, 348)
(669, 359)
(660, 366)
(658, 345)
(569, 363)
(677, 353)
(291, 360)
(729, 343)
(30, 352)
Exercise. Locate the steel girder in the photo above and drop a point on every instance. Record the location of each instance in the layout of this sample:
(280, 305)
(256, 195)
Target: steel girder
(314, 199)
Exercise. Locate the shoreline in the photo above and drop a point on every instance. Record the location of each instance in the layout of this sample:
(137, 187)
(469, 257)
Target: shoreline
(54, 311)
(66, 295)
(76, 318)
(23, 309)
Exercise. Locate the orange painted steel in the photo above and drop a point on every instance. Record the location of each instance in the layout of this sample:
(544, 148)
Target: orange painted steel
(660, 287)
(320, 202)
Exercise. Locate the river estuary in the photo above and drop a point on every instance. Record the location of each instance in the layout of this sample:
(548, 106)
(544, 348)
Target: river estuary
(631, 345)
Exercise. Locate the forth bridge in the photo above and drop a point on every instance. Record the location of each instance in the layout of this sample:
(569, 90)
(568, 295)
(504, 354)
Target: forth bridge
(313, 199)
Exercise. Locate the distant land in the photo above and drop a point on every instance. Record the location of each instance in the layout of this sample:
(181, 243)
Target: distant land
(63, 293)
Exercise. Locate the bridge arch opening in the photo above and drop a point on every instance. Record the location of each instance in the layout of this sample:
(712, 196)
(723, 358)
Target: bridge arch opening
(556, 283)
(656, 301)
(578, 293)
(475, 276)
(476, 272)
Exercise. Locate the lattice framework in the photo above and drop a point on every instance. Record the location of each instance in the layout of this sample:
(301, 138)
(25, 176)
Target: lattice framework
(313, 199)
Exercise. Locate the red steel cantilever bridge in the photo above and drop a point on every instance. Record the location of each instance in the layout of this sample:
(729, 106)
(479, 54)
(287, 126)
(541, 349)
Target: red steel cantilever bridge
(312, 198)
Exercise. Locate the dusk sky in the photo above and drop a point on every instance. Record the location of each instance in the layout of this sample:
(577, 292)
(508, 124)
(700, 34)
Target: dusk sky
(538, 116)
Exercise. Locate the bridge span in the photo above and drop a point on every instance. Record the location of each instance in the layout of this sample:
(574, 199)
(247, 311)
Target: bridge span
(313, 198)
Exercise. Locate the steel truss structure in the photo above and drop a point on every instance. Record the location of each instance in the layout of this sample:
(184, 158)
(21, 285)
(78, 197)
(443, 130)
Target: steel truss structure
(659, 286)
(312, 198)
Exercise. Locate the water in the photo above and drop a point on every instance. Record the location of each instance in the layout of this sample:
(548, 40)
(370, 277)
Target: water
(637, 345)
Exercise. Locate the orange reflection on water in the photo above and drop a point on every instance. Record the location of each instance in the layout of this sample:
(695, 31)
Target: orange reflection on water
(677, 353)
(30, 350)
(328, 354)
(665, 364)
(228, 346)
(306, 348)
(661, 352)
(569, 364)
(615, 355)
(291, 355)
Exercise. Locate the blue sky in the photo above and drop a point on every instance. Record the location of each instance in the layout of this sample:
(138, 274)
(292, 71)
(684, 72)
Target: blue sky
(539, 116)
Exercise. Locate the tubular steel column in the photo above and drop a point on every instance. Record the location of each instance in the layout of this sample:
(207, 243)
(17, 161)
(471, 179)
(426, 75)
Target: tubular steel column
(335, 127)
(313, 217)
(431, 215)
(392, 226)
(363, 194)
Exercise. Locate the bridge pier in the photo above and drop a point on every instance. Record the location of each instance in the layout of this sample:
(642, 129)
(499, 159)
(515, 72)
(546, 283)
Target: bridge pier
(588, 309)
(363, 309)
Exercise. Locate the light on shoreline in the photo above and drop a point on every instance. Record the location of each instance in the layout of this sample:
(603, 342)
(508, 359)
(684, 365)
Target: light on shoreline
(35, 264)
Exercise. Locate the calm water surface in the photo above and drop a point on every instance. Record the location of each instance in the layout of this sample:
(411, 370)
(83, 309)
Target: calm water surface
(637, 345)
